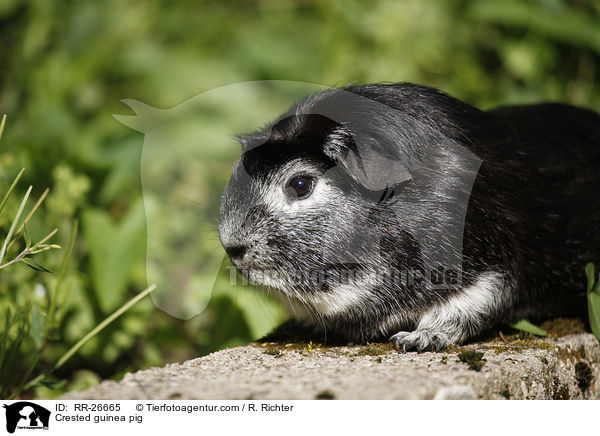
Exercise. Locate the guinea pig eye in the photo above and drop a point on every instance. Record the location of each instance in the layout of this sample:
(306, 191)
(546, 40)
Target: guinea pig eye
(300, 187)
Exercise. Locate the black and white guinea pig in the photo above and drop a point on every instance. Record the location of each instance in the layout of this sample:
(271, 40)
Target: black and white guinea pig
(397, 212)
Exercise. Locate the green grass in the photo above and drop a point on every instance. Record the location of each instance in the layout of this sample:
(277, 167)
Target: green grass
(30, 321)
(30, 328)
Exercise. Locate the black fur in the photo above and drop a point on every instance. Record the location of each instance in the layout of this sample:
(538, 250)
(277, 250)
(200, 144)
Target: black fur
(419, 178)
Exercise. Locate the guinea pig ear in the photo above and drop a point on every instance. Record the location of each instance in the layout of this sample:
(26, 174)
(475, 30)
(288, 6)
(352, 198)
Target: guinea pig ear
(365, 162)
(253, 140)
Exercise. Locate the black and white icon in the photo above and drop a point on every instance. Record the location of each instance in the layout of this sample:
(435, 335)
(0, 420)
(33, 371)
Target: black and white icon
(26, 415)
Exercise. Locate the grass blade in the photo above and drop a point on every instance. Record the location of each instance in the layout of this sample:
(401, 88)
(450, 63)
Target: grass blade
(90, 335)
(63, 270)
(28, 217)
(14, 224)
(2, 123)
(7, 195)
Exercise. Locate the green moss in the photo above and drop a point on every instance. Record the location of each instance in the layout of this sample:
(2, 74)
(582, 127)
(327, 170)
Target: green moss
(273, 352)
(454, 349)
(519, 344)
(375, 350)
(569, 355)
(275, 348)
(564, 326)
(555, 327)
(472, 358)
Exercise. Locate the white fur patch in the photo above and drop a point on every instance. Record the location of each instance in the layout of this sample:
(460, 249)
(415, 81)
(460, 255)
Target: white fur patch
(471, 303)
(333, 302)
(343, 297)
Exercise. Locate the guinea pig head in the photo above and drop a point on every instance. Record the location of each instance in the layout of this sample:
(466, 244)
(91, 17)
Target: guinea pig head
(299, 204)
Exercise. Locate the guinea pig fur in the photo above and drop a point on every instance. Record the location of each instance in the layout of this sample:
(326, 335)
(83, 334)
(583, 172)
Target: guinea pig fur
(396, 212)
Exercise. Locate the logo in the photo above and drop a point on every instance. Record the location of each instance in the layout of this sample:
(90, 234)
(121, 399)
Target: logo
(26, 415)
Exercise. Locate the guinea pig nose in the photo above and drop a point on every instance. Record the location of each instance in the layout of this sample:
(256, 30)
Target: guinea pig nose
(236, 252)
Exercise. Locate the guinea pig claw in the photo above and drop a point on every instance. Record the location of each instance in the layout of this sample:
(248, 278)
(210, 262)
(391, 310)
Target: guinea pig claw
(420, 340)
(399, 341)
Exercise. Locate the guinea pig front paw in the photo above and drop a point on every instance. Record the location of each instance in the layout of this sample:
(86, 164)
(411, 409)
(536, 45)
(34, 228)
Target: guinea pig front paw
(420, 340)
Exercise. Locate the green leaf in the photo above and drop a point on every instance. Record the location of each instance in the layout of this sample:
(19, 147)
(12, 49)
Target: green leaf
(37, 327)
(593, 297)
(594, 312)
(528, 327)
(35, 265)
(114, 249)
(589, 273)
(51, 384)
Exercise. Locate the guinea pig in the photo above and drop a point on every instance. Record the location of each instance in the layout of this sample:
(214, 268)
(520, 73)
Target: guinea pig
(396, 212)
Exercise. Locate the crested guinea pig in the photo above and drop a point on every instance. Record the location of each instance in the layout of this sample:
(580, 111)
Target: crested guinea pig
(397, 212)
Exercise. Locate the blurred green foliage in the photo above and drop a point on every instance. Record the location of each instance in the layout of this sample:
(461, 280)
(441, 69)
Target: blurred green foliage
(64, 66)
